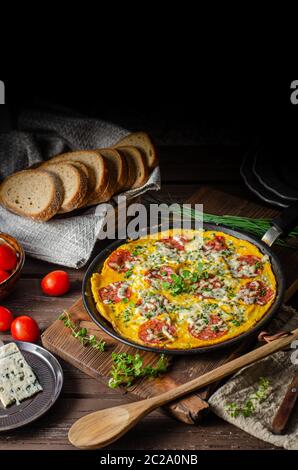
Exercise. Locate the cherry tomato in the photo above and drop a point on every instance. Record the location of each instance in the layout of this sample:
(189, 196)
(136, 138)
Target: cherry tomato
(55, 283)
(3, 275)
(25, 329)
(8, 258)
(6, 319)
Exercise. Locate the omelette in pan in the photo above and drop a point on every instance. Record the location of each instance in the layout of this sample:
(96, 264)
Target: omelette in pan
(184, 289)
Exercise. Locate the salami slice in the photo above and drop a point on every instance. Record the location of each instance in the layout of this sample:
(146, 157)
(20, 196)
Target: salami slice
(114, 293)
(164, 273)
(210, 288)
(175, 242)
(217, 244)
(120, 261)
(255, 292)
(156, 331)
(216, 328)
(246, 266)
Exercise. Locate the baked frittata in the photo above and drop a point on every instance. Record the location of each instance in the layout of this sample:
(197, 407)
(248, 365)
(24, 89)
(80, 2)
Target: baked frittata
(184, 289)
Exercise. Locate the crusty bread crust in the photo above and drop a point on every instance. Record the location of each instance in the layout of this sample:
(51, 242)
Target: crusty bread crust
(55, 201)
(144, 143)
(137, 166)
(79, 195)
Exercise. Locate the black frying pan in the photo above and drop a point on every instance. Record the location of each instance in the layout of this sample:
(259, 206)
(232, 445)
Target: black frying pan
(282, 225)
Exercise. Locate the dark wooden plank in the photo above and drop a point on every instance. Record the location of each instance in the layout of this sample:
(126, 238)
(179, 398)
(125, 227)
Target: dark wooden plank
(50, 432)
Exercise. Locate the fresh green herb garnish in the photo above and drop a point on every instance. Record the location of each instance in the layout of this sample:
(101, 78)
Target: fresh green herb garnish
(226, 252)
(166, 285)
(249, 406)
(128, 273)
(200, 266)
(137, 250)
(185, 274)
(127, 315)
(127, 368)
(82, 333)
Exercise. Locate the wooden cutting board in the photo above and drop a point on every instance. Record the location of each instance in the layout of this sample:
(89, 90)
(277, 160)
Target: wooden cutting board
(58, 339)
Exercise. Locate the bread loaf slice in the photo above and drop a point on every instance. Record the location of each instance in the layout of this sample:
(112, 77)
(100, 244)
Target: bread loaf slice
(137, 167)
(88, 173)
(142, 142)
(95, 164)
(74, 183)
(32, 193)
(117, 166)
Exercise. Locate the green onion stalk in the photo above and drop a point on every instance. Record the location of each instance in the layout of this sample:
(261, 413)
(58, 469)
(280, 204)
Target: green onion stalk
(257, 227)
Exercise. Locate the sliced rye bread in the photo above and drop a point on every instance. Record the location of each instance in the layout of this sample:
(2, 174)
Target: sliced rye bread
(142, 142)
(87, 172)
(117, 166)
(97, 167)
(74, 183)
(36, 194)
(137, 167)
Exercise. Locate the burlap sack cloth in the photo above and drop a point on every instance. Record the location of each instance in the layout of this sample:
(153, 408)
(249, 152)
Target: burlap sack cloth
(279, 369)
(68, 240)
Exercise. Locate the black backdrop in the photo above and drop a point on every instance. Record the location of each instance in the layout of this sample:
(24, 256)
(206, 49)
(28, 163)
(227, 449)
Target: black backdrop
(250, 105)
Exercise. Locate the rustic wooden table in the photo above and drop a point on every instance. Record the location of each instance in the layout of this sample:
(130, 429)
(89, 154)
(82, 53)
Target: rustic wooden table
(184, 169)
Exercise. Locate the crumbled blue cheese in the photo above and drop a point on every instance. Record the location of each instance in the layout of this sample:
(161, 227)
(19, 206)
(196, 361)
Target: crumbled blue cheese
(152, 305)
(17, 379)
(122, 291)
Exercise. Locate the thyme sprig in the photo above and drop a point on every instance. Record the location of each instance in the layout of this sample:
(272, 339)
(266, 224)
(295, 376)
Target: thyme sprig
(82, 333)
(127, 368)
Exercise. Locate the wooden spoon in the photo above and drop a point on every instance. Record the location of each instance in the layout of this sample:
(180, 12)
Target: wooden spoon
(103, 427)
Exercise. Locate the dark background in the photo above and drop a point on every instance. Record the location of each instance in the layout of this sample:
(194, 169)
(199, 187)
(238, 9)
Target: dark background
(217, 107)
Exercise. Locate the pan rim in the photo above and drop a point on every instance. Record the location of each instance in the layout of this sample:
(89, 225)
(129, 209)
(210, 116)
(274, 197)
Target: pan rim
(100, 321)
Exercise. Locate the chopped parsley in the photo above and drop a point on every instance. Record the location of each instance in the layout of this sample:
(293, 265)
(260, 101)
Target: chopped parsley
(137, 250)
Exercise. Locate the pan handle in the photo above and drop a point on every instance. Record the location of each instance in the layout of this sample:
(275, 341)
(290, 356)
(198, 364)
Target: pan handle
(282, 225)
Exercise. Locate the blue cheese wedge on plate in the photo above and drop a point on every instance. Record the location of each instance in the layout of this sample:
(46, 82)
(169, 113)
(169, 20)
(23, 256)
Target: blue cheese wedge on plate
(17, 379)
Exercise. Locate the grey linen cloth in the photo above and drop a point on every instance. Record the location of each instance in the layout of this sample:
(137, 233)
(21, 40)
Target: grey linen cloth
(279, 369)
(67, 241)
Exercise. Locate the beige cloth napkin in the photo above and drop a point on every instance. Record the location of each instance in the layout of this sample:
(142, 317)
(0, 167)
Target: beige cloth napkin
(279, 369)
